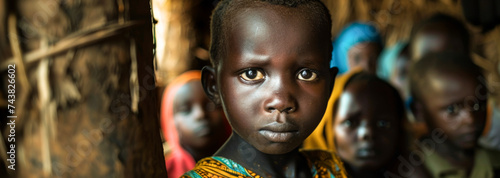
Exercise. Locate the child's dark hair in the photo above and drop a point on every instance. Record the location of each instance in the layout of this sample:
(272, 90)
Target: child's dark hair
(223, 15)
(440, 62)
(454, 27)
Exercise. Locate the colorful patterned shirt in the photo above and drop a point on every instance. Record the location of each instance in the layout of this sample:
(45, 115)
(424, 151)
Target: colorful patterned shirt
(323, 165)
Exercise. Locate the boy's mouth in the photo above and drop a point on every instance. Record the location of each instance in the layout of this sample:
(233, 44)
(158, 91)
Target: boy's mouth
(279, 133)
(202, 129)
(277, 137)
(469, 137)
(366, 153)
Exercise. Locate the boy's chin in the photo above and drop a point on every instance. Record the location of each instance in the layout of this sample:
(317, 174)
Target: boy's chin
(279, 148)
(469, 145)
(466, 144)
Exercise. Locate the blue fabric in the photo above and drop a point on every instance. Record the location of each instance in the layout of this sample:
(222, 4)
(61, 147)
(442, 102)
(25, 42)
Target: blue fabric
(232, 165)
(387, 60)
(353, 34)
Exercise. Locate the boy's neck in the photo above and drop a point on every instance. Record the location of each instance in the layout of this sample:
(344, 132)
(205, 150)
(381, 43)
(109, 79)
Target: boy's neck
(362, 173)
(292, 164)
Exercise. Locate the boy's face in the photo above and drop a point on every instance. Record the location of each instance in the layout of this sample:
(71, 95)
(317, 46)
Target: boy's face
(364, 55)
(366, 126)
(275, 81)
(455, 103)
(197, 120)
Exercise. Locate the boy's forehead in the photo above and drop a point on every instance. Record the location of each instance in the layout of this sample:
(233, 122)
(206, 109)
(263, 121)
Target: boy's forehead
(369, 96)
(272, 24)
(443, 81)
(365, 89)
(438, 29)
(263, 14)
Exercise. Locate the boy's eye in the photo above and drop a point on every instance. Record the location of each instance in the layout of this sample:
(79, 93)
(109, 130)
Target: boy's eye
(453, 109)
(184, 109)
(307, 75)
(252, 75)
(346, 123)
(479, 107)
(383, 124)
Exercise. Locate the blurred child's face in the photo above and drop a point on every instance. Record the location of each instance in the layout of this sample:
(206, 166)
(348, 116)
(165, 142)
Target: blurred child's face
(275, 81)
(399, 77)
(451, 104)
(366, 126)
(364, 55)
(197, 120)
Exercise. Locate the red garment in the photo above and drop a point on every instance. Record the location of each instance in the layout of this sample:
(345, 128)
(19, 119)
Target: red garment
(179, 161)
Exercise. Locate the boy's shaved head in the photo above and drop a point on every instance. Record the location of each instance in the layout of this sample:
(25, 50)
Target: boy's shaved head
(447, 31)
(453, 26)
(223, 20)
(442, 62)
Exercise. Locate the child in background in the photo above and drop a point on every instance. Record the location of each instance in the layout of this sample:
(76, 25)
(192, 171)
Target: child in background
(369, 128)
(192, 125)
(450, 97)
(322, 136)
(271, 75)
(358, 45)
(440, 33)
(393, 67)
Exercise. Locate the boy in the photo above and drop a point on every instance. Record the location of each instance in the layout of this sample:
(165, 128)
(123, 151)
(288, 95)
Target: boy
(271, 75)
(368, 125)
(450, 98)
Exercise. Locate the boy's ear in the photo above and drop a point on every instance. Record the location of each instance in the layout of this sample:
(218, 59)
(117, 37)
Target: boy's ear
(209, 82)
(333, 73)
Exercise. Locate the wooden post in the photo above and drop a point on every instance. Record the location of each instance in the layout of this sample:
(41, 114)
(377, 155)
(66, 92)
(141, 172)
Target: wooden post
(88, 105)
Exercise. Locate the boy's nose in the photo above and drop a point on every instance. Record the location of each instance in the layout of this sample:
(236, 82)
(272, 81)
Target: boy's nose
(467, 118)
(198, 112)
(281, 105)
(364, 132)
(281, 97)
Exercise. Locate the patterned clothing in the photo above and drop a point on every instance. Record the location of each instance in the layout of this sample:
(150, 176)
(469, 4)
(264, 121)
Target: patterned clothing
(323, 165)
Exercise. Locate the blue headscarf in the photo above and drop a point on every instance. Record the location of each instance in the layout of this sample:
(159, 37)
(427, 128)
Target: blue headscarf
(387, 60)
(353, 34)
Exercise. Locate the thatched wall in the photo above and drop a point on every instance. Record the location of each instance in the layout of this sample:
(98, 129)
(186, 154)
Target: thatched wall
(85, 101)
(182, 34)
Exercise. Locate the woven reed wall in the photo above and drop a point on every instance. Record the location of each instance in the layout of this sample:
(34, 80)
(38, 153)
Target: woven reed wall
(86, 99)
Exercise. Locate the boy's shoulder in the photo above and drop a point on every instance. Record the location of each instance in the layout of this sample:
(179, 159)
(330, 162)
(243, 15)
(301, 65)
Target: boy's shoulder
(322, 163)
(493, 156)
(486, 164)
(218, 167)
